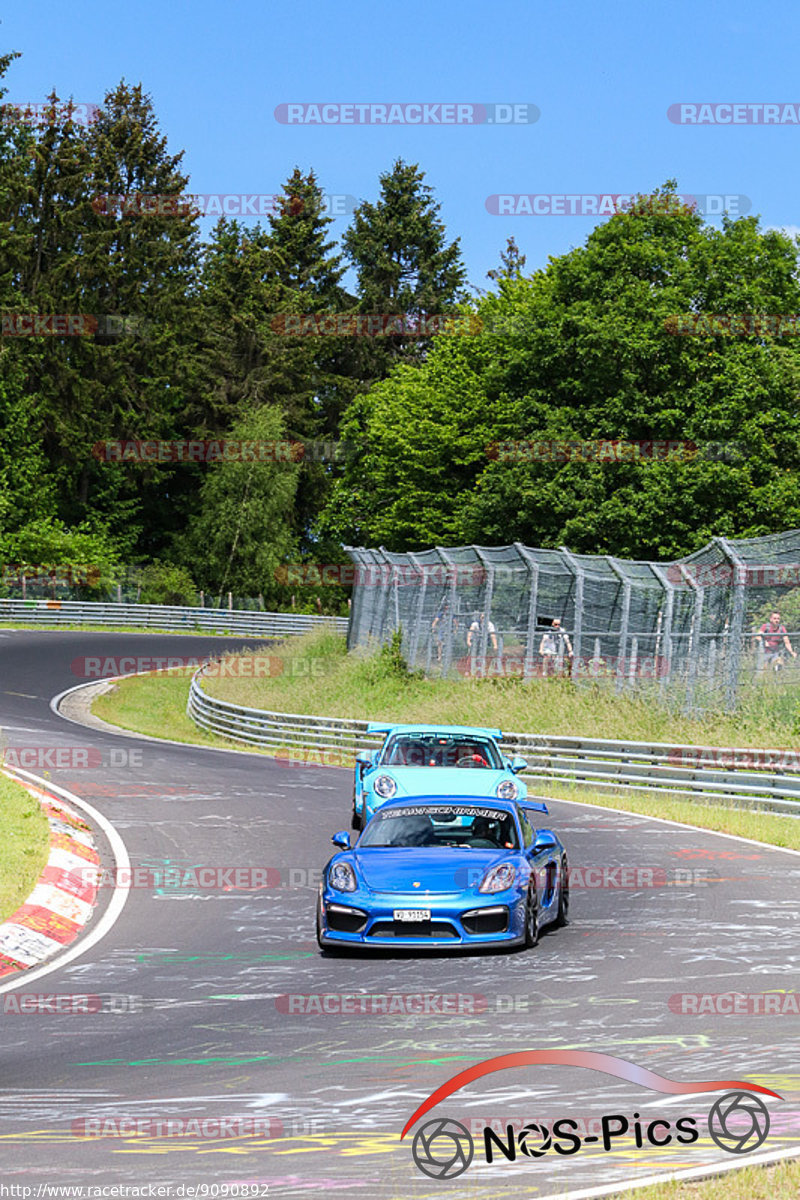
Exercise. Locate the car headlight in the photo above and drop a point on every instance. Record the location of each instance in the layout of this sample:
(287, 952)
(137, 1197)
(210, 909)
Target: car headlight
(385, 786)
(499, 879)
(343, 877)
(506, 790)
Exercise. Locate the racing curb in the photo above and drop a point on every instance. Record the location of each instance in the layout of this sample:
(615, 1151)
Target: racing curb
(62, 902)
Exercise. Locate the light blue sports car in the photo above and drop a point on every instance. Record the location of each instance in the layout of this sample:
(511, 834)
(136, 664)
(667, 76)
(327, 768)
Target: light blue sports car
(433, 760)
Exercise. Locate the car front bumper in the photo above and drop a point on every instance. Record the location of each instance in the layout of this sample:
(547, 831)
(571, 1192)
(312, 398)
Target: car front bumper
(367, 920)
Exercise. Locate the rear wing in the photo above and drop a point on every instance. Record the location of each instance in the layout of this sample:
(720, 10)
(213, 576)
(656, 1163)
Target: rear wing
(533, 804)
(387, 726)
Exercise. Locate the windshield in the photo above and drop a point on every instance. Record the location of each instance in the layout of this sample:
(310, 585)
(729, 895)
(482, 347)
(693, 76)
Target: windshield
(440, 750)
(465, 826)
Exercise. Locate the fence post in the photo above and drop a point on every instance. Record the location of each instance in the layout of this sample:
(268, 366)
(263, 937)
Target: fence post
(734, 655)
(533, 597)
(447, 654)
(386, 584)
(694, 639)
(666, 626)
(412, 654)
(577, 629)
(486, 607)
(623, 632)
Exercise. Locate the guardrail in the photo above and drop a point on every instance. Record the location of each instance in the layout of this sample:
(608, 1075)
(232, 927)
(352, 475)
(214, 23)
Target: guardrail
(656, 767)
(165, 616)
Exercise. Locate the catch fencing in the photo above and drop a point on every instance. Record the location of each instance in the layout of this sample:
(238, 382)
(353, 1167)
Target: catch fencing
(683, 631)
(56, 613)
(743, 778)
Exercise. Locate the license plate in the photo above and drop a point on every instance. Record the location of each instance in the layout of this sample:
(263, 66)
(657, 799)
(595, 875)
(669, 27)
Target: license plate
(412, 914)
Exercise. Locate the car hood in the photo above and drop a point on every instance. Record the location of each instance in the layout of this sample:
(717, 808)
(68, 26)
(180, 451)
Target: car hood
(440, 870)
(446, 781)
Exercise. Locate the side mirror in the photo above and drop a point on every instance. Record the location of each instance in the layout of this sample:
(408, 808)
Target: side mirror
(544, 840)
(341, 839)
(518, 763)
(365, 757)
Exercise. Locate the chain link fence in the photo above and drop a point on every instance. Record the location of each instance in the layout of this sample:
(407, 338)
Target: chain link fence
(685, 631)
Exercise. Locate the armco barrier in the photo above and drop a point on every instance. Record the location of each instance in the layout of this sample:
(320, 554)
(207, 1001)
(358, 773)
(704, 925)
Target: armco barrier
(165, 616)
(589, 762)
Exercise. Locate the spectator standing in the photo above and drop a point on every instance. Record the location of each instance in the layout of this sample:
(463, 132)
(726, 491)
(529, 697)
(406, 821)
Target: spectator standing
(555, 642)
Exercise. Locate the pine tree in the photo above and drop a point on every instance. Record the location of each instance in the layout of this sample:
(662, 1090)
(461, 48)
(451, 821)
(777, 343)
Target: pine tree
(512, 262)
(301, 255)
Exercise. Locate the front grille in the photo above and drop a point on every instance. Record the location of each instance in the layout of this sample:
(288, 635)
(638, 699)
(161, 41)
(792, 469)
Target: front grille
(399, 929)
(485, 920)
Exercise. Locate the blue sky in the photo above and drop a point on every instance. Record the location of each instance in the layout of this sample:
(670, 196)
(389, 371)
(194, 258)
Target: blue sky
(602, 76)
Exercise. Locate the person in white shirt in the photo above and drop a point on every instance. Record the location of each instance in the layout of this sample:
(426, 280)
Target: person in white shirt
(555, 641)
(474, 637)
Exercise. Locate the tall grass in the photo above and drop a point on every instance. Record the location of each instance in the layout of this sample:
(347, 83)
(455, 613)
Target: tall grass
(314, 674)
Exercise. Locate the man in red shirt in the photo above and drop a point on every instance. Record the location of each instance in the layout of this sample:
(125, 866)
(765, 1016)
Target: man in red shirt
(772, 638)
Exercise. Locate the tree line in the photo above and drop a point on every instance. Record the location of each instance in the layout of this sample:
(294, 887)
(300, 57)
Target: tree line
(467, 430)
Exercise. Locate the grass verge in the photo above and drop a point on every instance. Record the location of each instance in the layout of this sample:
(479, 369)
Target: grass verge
(155, 704)
(779, 1182)
(23, 847)
(314, 674)
(765, 827)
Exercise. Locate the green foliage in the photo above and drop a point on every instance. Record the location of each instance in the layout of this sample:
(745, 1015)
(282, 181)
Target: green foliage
(391, 659)
(583, 350)
(166, 583)
(241, 533)
(89, 552)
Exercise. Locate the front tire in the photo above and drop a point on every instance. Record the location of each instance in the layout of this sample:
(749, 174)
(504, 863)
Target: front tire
(356, 821)
(562, 917)
(531, 920)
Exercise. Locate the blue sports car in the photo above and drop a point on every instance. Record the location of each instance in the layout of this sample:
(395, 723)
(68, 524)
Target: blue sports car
(445, 872)
(433, 760)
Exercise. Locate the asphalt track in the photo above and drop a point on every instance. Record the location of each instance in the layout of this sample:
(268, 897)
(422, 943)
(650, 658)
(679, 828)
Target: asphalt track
(209, 1036)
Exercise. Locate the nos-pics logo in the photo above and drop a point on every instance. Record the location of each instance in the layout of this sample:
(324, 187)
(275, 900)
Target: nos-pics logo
(442, 1148)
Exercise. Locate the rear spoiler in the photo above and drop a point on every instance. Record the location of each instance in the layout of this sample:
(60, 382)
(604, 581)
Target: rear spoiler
(535, 805)
(385, 727)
